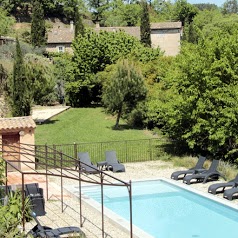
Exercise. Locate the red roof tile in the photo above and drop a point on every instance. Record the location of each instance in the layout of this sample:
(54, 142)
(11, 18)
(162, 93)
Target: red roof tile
(15, 123)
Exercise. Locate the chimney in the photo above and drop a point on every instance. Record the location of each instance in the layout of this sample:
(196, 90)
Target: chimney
(71, 25)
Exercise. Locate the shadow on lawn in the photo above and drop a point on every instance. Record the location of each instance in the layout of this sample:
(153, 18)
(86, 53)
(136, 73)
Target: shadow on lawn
(46, 122)
(125, 127)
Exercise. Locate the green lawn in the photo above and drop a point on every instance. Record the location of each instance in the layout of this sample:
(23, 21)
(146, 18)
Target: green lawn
(85, 125)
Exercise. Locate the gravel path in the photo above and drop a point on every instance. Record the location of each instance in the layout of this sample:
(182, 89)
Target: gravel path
(91, 220)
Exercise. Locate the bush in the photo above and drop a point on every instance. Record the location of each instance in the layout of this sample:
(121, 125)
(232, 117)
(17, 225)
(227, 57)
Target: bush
(11, 216)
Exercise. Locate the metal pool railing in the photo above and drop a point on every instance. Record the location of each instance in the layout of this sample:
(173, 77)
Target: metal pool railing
(127, 151)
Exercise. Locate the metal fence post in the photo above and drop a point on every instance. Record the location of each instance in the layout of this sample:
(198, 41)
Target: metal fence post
(75, 152)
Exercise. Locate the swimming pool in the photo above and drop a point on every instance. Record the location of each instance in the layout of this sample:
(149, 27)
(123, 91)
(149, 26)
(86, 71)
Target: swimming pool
(164, 210)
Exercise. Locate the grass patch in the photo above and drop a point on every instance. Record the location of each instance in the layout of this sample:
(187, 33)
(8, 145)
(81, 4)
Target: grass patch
(85, 125)
(93, 125)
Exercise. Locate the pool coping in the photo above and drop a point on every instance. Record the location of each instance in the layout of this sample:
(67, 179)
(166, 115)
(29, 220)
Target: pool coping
(124, 225)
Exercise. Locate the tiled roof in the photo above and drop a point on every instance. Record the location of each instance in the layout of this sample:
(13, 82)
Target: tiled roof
(15, 123)
(60, 34)
(131, 30)
(166, 25)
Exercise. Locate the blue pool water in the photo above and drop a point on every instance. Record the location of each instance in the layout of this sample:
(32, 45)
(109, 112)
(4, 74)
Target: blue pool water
(164, 210)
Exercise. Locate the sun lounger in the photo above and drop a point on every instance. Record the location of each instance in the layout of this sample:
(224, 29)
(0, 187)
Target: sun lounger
(44, 231)
(36, 197)
(211, 174)
(85, 163)
(215, 188)
(182, 173)
(113, 163)
(229, 193)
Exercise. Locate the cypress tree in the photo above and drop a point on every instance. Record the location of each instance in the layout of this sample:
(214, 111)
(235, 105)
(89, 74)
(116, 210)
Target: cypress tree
(21, 97)
(145, 25)
(79, 27)
(38, 31)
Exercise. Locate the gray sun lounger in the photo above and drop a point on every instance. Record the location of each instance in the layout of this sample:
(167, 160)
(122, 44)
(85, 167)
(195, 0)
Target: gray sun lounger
(85, 163)
(229, 193)
(215, 188)
(44, 231)
(113, 163)
(182, 173)
(210, 174)
(35, 194)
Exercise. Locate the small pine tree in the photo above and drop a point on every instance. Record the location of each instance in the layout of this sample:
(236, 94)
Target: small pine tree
(20, 91)
(38, 31)
(145, 25)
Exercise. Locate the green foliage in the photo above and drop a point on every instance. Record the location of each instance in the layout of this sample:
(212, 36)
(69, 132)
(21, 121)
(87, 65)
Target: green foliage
(64, 69)
(145, 25)
(120, 14)
(184, 12)
(206, 6)
(230, 7)
(3, 78)
(11, 215)
(98, 7)
(92, 53)
(79, 27)
(39, 72)
(20, 93)
(6, 22)
(124, 89)
(205, 116)
(38, 31)
(2, 170)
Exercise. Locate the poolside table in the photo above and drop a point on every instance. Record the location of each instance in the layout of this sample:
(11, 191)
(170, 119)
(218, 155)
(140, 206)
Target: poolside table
(102, 165)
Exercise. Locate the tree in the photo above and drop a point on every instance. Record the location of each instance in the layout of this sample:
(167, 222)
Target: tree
(6, 22)
(184, 12)
(20, 87)
(121, 14)
(92, 53)
(79, 27)
(145, 25)
(38, 31)
(39, 73)
(98, 7)
(230, 6)
(204, 115)
(3, 77)
(124, 90)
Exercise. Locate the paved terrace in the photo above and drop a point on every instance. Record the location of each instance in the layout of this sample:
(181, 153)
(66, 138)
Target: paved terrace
(92, 221)
(40, 114)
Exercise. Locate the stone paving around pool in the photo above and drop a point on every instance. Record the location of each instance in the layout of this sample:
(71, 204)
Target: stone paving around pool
(92, 222)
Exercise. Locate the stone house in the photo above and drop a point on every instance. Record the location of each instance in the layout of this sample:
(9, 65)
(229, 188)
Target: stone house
(17, 142)
(166, 35)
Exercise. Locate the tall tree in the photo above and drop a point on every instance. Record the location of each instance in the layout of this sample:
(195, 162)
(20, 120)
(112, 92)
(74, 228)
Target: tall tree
(98, 8)
(124, 90)
(20, 87)
(145, 25)
(38, 31)
(79, 27)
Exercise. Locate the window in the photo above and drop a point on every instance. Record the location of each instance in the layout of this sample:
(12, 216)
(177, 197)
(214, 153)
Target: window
(61, 49)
